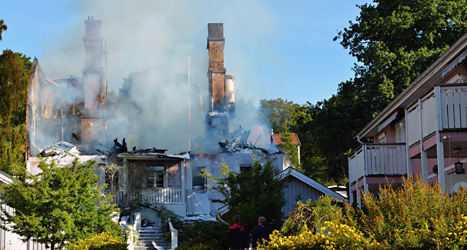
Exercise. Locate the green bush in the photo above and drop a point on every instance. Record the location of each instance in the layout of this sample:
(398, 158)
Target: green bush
(415, 215)
(204, 236)
(167, 215)
(102, 241)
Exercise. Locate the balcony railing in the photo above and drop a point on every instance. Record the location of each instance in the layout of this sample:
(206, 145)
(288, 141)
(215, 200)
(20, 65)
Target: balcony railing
(378, 159)
(161, 195)
(450, 111)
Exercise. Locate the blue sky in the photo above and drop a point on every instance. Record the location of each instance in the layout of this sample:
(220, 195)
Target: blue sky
(275, 49)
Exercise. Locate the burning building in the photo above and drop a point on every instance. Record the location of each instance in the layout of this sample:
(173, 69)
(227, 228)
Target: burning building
(75, 111)
(70, 109)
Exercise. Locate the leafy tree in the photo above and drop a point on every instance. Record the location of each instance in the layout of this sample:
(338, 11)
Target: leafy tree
(15, 70)
(59, 205)
(327, 131)
(278, 113)
(394, 41)
(288, 147)
(3, 27)
(253, 193)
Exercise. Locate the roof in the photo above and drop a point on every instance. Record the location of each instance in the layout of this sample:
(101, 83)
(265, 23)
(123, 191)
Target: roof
(312, 183)
(420, 86)
(277, 139)
(5, 178)
(154, 155)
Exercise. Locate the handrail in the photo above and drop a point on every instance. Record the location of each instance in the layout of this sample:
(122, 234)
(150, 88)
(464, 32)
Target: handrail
(174, 236)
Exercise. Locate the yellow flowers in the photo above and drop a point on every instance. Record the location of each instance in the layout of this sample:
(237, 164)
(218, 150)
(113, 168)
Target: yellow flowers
(332, 236)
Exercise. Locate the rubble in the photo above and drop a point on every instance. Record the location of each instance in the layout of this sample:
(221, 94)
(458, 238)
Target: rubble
(239, 142)
(64, 154)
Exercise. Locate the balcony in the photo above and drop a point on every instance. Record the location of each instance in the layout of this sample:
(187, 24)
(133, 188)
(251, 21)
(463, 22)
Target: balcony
(378, 160)
(443, 109)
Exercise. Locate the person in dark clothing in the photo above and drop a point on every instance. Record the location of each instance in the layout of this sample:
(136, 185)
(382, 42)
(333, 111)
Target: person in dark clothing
(236, 235)
(261, 233)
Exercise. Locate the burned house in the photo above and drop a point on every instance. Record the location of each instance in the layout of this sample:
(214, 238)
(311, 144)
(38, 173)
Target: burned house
(72, 115)
(70, 109)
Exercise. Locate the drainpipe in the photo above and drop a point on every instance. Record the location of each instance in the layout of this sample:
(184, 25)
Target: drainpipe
(358, 139)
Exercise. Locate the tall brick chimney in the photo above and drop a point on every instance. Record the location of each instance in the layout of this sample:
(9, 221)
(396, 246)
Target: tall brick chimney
(221, 86)
(94, 75)
(216, 71)
(92, 123)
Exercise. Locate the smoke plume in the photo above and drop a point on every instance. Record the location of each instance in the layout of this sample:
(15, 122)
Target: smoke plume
(149, 43)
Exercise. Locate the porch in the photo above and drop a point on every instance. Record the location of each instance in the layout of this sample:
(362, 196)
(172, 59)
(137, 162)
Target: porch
(372, 164)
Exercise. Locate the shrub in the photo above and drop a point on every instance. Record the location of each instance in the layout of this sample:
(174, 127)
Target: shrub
(167, 215)
(310, 215)
(102, 241)
(415, 215)
(330, 236)
(204, 236)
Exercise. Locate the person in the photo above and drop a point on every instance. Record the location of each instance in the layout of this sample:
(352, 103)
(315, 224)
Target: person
(236, 235)
(261, 233)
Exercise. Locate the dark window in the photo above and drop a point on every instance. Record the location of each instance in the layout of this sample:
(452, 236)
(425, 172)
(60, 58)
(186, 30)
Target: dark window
(199, 181)
(155, 177)
(245, 167)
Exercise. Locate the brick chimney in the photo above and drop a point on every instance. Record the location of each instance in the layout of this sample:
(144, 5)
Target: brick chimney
(216, 71)
(92, 122)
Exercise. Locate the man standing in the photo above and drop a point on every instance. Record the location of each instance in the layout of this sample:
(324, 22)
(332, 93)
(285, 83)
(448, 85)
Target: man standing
(261, 233)
(236, 235)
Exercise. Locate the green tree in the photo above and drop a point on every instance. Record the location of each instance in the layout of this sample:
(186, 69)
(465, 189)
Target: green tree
(394, 41)
(278, 112)
(327, 132)
(288, 147)
(62, 204)
(15, 70)
(3, 27)
(253, 193)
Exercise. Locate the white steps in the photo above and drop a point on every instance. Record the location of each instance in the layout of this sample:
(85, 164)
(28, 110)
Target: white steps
(150, 233)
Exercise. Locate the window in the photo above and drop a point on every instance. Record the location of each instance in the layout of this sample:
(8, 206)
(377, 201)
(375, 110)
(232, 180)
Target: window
(199, 181)
(245, 167)
(155, 177)
(382, 138)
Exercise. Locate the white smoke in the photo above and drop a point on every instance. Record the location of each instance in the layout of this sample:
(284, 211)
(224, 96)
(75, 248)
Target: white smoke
(153, 40)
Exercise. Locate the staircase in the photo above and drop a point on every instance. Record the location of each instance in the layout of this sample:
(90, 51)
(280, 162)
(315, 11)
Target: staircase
(150, 233)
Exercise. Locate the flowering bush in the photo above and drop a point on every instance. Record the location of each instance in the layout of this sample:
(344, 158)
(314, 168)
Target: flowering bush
(415, 215)
(102, 241)
(331, 236)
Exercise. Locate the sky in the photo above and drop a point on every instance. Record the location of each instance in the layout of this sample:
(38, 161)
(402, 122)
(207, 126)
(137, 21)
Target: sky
(274, 49)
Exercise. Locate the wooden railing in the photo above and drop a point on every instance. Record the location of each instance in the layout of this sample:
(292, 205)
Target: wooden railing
(378, 159)
(161, 195)
(446, 105)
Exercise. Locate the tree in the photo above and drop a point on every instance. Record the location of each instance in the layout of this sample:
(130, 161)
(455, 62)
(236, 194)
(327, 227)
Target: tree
(57, 206)
(15, 70)
(253, 193)
(3, 27)
(394, 41)
(278, 113)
